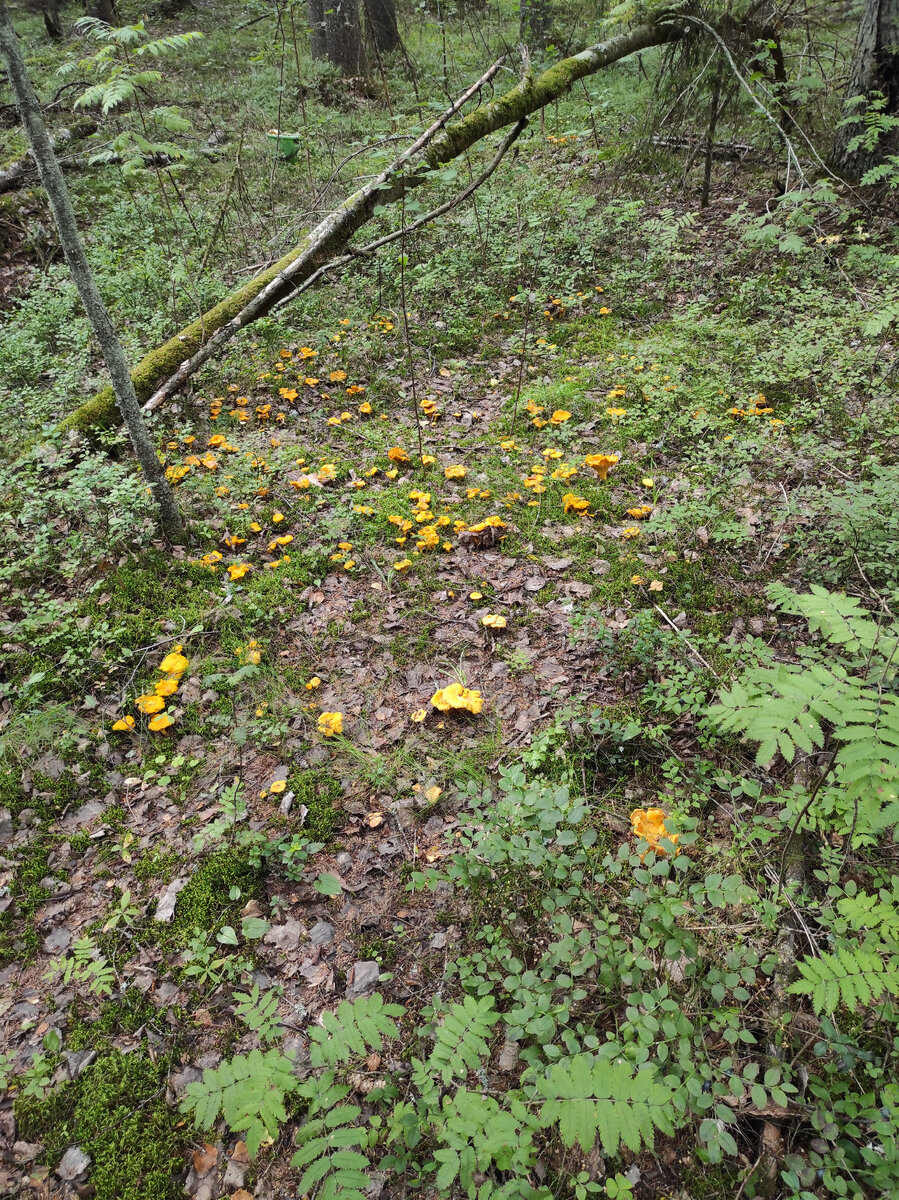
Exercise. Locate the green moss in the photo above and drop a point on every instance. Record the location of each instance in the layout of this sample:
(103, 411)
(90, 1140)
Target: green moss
(707, 1182)
(204, 903)
(156, 864)
(147, 590)
(319, 793)
(116, 1112)
(125, 1014)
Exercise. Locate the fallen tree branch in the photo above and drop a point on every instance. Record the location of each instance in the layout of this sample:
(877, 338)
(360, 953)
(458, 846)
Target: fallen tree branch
(23, 171)
(724, 151)
(428, 152)
(190, 366)
(15, 173)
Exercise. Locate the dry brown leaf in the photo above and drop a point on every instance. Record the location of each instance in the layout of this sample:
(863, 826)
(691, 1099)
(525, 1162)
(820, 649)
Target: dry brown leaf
(205, 1159)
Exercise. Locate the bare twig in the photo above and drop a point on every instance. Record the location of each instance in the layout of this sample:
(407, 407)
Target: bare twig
(708, 666)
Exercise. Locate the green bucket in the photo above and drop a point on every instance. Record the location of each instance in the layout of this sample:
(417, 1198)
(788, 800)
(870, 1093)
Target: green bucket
(287, 144)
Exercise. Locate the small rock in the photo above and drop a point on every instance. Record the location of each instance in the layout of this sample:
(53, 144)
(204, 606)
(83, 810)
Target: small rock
(78, 1061)
(286, 937)
(57, 940)
(165, 905)
(508, 1056)
(74, 1164)
(235, 1173)
(25, 1151)
(179, 1081)
(321, 933)
(362, 978)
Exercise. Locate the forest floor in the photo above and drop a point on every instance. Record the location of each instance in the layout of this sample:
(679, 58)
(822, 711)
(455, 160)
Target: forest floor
(382, 509)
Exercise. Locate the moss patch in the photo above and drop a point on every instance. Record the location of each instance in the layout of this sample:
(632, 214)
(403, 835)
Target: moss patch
(204, 903)
(116, 1112)
(319, 793)
(124, 1015)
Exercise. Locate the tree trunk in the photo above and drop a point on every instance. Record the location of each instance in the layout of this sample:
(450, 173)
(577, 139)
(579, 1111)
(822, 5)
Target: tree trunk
(344, 36)
(875, 70)
(534, 22)
(50, 11)
(380, 17)
(529, 95)
(73, 248)
(103, 10)
(318, 37)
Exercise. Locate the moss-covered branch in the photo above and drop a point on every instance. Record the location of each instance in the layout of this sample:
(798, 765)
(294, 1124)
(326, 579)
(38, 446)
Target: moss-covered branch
(439, 145)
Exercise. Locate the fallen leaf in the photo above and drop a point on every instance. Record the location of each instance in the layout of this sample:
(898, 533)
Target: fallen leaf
(205, 1159)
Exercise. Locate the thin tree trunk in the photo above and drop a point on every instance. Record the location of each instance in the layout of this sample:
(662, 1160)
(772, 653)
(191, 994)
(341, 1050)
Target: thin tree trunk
(529, 95)
(875, 70)
(73, 248)
(103, 10)
(344, 35)
(318, 38)
(380, 18)
(50, 10)
(534, 22)
(709, 145)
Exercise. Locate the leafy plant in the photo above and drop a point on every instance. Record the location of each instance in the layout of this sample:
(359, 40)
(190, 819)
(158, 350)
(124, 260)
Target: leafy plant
(850, 976)
(461, 1040)
(85, 965)
(327, 1143)
(587, 1096)
(123, 79)
(809, 706)
(352, 1029)
(248, 1091)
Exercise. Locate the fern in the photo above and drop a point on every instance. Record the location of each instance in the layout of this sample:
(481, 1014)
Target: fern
(479, 1135)
(868, 764)
(259, 1011)
(585, 1096)
(353, 1029)
(85, 965)
(870, 915)
(782, 708)
(248, 1091)
(850, 976)
(327, 1142)
(461, 1040)
(839, 619)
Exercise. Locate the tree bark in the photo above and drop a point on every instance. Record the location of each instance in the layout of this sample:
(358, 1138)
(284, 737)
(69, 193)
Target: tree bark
(344, 36)
(534, 22)
(50, 11)
(73, 248)
(875, 69)
(380, 18)
(318, 37)
(529, 95)
(103, 10)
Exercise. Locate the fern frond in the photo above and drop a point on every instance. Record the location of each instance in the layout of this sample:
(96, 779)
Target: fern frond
(782, 708)
(259, 1011)
(249, 1092)
(586, 1096)
(839, 619)
(328, 1143)
(166, 45)
(871, 916)
(850, 976)
(868, 762)
(353, 1029)
(461, 1040)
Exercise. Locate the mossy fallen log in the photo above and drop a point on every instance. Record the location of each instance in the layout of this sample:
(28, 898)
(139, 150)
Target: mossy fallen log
(260, 295)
